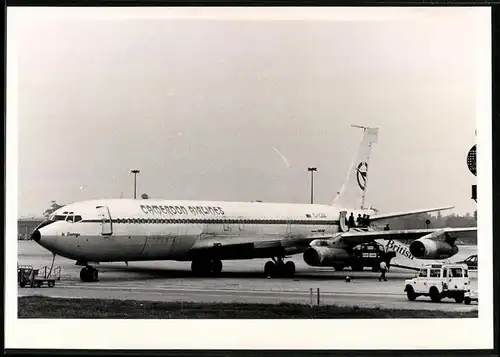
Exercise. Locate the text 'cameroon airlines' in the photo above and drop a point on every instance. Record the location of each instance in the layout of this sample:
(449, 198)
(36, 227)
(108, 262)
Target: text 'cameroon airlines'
(206, 233)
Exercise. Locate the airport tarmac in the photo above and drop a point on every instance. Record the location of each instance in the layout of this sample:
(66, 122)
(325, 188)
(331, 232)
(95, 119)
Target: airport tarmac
(240, 281)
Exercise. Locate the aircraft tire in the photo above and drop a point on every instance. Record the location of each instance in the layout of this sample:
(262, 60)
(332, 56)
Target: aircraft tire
(197, 267)
(270, 269)
(216, 267)
(289, 269)
(89, 274)
(94, 274)
(84, 275)
(201, 267)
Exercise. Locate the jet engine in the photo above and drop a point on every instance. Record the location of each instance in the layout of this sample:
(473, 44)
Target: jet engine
(428, 248)
(325, 256)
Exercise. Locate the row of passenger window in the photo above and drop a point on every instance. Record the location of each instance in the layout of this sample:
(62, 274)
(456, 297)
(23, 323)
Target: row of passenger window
(200, 221)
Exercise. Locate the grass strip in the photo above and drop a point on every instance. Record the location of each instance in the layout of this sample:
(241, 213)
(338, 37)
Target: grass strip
(47, 307)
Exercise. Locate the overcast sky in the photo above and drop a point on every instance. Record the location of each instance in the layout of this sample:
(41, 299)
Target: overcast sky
(198, 106)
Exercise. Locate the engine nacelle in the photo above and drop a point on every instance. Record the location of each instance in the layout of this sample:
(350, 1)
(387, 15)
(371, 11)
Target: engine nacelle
(325, 256)
(425, 248)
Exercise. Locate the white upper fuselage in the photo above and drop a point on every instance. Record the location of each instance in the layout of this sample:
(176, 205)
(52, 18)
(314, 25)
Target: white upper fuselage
(128, 229)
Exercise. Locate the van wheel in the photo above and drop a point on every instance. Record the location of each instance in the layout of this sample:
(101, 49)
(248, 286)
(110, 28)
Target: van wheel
(410, 293)
(459, 298)
(467, 300)
(435, 295)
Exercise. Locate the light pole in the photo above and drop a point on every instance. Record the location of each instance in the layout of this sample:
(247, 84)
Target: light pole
(135, 172)
(312, 169)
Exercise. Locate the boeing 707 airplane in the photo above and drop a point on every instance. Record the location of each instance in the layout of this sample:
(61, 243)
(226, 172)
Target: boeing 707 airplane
(208, 232)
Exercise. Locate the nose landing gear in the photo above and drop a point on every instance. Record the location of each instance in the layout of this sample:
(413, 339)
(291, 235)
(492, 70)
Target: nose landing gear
(89, 274)
(278, 268)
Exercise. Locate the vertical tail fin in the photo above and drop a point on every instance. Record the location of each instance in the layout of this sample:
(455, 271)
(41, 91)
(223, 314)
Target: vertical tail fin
(353, 190)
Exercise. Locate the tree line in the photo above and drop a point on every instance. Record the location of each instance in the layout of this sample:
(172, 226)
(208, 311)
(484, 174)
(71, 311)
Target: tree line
(426, 220)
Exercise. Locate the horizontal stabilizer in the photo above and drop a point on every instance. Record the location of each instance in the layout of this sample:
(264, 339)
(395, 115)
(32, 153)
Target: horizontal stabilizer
(378, 217)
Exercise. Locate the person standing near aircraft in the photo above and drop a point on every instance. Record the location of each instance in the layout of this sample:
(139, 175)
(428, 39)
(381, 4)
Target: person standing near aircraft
(383, 267)
(387, 228)
(359, 220)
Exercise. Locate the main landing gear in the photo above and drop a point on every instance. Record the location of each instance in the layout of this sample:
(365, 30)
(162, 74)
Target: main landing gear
(89, 274)
(278, 268)
(204, 267)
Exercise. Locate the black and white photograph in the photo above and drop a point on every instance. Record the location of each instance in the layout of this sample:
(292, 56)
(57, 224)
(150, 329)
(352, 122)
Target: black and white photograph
(185, 171)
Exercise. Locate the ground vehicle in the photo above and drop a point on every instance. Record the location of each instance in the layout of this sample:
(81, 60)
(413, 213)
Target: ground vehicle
(440, 281)
(370, 255)
(471, 262)
(27, 276)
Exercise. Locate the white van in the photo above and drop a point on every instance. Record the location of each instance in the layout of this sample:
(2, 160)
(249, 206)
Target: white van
(440, 281)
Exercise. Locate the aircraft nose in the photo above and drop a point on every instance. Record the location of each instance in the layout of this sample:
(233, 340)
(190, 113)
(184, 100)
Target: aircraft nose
(36, 236)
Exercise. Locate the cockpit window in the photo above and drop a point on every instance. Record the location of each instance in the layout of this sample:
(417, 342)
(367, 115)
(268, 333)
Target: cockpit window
(66, 216)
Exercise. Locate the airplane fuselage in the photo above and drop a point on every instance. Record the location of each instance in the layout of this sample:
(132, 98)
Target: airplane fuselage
(133, 230)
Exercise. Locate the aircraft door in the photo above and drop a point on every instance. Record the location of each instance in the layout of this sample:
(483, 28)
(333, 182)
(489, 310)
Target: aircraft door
(342, 221)
(106, 224)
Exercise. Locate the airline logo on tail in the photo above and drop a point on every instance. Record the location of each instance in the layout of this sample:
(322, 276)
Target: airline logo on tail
(352, 193)
(361, 172)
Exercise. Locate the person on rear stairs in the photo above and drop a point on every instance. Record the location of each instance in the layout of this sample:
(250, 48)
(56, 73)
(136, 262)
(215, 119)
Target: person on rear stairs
(351, 221)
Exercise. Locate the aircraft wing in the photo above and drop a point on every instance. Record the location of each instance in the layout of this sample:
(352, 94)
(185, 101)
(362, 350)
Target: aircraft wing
(378, 217)
(353, 238)
(248, 246)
